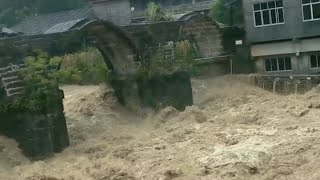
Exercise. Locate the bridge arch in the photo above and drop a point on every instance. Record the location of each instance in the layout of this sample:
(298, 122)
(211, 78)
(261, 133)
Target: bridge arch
(119, 51)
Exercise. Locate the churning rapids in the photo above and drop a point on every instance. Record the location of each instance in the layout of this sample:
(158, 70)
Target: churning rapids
(234, 131)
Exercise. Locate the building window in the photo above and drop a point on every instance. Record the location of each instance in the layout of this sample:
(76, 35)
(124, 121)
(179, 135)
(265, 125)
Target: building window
(268, 13)
(168, 55)
(315, 60)
(311, 9)
(278, 64)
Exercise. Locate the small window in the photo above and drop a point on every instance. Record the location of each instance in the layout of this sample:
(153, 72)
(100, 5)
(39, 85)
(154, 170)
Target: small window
(315, 60)
(272, 4)
(274, 65)
(280, 15)
(266, 17)
(273, 16)
(307, 12)
(258, 18)
(311, 9)
(305, 1)
(257, 7)
(316, 11)
(268, 13)
(168, 55)
(287, 61)
(278, 64)
(281, 63)
(264, 6)
(279, 3)
(268, 64)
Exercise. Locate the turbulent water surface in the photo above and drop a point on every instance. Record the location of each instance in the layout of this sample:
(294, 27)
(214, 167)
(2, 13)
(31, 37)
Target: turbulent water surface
(234, 131)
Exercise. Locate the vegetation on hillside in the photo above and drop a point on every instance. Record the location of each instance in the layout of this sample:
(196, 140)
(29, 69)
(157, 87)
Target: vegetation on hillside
(87, 67)
(155, 13)
(170, 58)
(41, 78)
(43, 74)
(40, 87)
(13, 11)
(218, 11)
(231, 14)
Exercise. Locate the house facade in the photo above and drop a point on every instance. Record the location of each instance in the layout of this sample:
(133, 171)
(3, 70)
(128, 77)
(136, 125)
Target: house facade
(284, 35)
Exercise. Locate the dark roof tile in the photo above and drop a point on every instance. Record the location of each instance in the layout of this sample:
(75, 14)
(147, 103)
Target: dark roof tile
(36, 25)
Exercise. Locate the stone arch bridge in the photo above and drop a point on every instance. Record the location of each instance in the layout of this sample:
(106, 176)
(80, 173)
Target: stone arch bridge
(119, 51)
(123, 48)
(45, 132)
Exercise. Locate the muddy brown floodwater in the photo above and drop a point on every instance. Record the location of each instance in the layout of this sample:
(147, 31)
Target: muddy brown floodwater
(234, 131)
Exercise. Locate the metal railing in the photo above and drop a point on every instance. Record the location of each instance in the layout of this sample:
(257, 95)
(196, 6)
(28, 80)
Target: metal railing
(12, 82)
(10, 79)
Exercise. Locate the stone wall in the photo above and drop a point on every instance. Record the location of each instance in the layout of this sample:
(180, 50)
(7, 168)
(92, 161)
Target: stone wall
(172, 7)
(118, 50)
(210, 40)
(117, 11)
(15, 49)
(206, 34)
(154, 33)
(39, 134)
(156, 92)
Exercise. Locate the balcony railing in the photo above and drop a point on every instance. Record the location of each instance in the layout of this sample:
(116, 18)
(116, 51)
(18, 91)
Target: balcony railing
(197, 6)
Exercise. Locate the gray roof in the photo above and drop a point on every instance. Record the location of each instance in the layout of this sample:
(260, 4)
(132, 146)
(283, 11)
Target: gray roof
(6, 32)
(62, 27)
(53, 22)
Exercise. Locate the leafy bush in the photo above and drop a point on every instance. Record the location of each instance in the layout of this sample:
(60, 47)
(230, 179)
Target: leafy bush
(86, 67)
(40, 86)
(38, 70)
(222, 13)
(155, 14)
(180, 57)
(218, 11)
(185, 53)
(41, 79)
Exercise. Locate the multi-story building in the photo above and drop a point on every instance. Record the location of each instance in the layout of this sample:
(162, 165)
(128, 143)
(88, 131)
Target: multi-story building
(284, 35)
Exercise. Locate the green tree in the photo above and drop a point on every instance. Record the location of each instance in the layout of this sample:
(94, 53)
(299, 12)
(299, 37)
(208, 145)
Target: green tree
(155, 13)
(231, 14)
(218, 11)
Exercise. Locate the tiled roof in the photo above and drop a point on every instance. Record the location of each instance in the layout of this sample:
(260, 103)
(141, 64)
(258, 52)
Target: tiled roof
(53, 22)
(5, 32)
